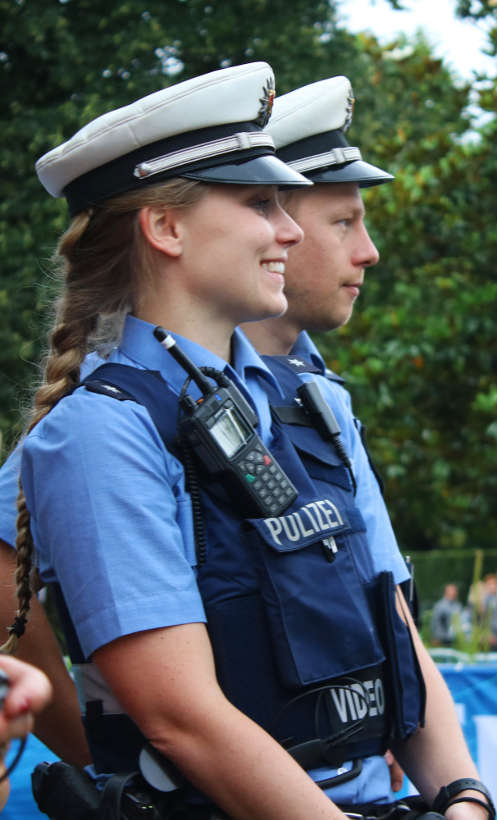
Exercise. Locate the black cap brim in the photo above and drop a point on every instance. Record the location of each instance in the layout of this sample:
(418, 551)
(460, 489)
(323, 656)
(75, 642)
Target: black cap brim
(265, 170)
(358, 171)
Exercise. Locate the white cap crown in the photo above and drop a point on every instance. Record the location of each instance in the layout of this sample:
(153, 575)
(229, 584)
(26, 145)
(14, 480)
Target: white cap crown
(308, 127)
(193, 125)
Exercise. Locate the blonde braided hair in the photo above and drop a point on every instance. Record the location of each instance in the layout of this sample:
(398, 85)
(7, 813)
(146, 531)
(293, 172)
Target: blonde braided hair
(102, 258)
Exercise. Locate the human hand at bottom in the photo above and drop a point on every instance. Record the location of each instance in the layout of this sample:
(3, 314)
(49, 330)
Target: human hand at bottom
(396, 772)
(28, 693)
(29, 690)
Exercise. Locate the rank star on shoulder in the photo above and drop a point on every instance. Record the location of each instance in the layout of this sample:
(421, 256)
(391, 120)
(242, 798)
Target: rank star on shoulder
(296, 362)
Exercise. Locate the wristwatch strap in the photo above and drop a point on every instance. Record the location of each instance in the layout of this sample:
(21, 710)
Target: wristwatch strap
(446, 793)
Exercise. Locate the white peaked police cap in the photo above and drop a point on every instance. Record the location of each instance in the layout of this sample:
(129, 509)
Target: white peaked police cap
(208, 128)
(308, 128)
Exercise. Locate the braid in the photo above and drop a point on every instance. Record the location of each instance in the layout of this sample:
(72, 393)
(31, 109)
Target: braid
(67, 351)
(62, 367)
(100, 259)
(24, 548)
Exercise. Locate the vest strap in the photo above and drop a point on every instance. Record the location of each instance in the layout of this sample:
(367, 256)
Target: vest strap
(292, 415)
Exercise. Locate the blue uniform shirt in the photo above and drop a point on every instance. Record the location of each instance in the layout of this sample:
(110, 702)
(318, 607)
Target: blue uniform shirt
(11, 468)
(9, 475)
(384, 548)
(96, 474)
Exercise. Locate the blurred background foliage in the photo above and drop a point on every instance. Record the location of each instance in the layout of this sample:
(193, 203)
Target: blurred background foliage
(420, 353)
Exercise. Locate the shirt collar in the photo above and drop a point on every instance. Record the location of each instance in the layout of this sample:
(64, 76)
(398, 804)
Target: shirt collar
(247, 360)
(140, 345)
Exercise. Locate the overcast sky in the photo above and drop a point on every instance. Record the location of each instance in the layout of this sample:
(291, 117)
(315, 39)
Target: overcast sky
(458, 42)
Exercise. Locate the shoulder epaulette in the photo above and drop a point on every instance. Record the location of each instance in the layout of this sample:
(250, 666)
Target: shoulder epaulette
(297, 364)
(333, 377)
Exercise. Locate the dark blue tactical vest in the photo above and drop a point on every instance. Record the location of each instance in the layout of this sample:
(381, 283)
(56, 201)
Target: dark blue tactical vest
(306, 639)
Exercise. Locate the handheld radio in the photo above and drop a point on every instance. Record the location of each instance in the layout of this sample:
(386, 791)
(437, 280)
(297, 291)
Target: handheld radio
(219, 427)
(324, 421)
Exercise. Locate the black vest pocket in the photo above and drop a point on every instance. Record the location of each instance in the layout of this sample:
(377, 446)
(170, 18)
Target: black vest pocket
(321, 460)
(317, 610)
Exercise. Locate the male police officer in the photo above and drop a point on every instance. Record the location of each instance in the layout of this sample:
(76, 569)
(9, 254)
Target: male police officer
(323, 279)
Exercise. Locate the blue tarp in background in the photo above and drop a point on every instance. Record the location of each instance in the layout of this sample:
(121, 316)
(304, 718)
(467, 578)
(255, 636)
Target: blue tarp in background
(21, 804)
(474, 689)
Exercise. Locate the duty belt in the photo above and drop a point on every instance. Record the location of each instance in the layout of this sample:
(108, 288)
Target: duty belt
(408, 808)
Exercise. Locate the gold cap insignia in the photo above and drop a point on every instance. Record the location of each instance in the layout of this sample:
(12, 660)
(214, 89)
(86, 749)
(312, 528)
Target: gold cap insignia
(349, 110)
(266, 101)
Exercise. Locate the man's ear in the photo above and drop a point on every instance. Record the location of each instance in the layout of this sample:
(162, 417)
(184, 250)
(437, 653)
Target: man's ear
(161, 228)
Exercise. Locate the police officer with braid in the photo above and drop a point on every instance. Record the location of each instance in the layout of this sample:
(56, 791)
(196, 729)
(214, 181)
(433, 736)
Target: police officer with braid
(176, 219)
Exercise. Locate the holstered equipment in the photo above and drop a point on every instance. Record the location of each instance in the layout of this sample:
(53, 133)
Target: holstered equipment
(62, 791)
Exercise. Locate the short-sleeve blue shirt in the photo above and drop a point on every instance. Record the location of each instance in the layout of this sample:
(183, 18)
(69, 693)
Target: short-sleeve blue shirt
(11, 468)
(9, 485)
(110, 516)
(383, 544)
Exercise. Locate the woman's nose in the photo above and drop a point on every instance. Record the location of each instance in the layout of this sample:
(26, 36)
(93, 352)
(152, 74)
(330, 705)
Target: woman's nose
(288, 232)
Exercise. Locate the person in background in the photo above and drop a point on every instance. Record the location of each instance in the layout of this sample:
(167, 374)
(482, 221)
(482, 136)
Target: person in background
(490, 607)
(29, 691)
(475, 601)
(493, 629)
(481, 608)
(446, 617)
(490, 591)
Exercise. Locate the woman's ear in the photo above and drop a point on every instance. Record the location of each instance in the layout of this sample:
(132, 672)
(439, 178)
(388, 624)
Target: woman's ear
(160, 226)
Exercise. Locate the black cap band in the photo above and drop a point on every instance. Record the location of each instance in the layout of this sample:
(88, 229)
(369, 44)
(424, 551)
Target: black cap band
(328, 157)
(310, 146)
(119, 176)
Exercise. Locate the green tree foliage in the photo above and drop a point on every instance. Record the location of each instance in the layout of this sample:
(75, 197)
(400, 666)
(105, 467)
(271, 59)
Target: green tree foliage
(420, 353)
